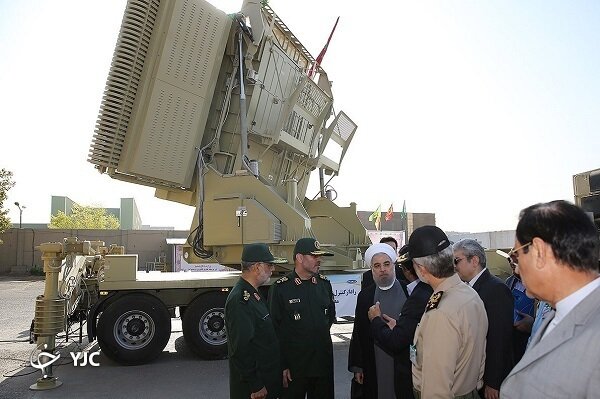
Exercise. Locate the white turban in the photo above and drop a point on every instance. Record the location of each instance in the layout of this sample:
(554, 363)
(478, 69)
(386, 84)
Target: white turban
(380, 248)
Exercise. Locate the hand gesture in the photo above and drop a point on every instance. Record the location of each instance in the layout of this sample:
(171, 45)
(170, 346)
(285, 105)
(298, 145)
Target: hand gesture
(359, 377)
(391, 322)
(491, 393)
(287, 377)
(374, 311)
(260, 394)
(525, 324)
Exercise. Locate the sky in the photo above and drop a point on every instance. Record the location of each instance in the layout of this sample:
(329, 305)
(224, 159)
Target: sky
(471, 110)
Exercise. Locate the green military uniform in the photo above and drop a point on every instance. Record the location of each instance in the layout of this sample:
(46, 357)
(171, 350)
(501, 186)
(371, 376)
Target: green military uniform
(303, 312)
(254, 357)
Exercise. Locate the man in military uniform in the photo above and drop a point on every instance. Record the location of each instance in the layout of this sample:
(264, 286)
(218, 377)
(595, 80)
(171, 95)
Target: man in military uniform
(448, 353)
(254, 357)
(303, 311)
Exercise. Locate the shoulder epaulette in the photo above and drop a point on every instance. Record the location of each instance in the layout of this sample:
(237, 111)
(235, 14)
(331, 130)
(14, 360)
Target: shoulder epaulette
(434, 301)
(323, 277)
(282, 280)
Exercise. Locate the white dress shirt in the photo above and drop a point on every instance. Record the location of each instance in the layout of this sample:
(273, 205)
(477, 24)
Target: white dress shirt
(565, 305)
(474, 279)
(411, 286)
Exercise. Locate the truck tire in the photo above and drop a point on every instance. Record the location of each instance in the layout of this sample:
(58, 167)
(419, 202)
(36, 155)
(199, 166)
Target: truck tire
(134, 329)
(204, 326)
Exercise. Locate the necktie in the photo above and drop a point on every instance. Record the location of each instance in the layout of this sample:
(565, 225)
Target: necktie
(548, 324)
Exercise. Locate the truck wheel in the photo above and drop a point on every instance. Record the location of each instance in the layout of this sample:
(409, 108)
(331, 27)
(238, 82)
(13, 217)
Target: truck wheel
(134, 329)
(204, 326)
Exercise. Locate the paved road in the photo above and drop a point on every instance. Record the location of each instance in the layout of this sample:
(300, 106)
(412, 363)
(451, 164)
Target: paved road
(176, 373)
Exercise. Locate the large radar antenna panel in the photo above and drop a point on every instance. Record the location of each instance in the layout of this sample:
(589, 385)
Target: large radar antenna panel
(159, 90)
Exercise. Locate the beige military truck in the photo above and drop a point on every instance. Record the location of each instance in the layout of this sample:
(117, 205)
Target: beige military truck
(218, 112)
(586, 187)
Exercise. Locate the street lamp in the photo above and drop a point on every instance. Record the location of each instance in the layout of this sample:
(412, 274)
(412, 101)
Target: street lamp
(21, 207)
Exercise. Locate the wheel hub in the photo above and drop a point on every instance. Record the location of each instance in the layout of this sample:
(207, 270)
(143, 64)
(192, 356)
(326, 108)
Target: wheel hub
(212, 327)
(134, 329)
(215, 324)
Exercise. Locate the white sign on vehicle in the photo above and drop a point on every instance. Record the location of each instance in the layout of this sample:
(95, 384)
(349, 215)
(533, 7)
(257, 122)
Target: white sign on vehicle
(345, 291)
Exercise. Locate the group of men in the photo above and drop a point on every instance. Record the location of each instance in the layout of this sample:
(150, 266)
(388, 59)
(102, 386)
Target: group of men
(441, 327)
(281, 347)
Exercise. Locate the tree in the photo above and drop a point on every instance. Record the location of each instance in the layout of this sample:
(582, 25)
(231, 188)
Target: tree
(84, 217)
(6, 183)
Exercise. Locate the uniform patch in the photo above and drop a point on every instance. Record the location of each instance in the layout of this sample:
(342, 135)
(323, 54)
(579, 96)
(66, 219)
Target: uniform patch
(282, 280)
(294, 300)
(314, 280)
(323, 277)
(246, 295)
(257, 296)
(297, 281)
(434, 301)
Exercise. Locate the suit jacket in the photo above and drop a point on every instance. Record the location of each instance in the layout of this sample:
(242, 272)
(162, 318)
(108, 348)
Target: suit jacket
(499, 304)
(398, 340)
(566, 363)
(361, 352)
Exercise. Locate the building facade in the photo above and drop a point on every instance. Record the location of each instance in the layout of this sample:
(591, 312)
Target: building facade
(127, 214)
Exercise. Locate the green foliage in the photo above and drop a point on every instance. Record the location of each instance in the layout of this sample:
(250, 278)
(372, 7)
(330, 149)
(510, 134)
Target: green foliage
(6, 183)
(84, 217)
(36, 271)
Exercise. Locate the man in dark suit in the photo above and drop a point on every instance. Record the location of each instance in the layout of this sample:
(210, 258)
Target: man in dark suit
(470, 264)
(396, 336)
(373, 367)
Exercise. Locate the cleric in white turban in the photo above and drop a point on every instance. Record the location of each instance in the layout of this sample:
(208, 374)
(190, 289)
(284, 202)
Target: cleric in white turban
(373, 368)
(380, 248)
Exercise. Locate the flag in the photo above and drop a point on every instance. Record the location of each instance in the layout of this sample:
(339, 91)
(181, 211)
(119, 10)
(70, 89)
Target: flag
(403, 213)
(321, 55)
(390, 213)
(376, 217)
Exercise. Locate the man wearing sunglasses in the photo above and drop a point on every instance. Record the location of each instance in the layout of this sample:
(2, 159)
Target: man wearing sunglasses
(557, 249)
(470, 264)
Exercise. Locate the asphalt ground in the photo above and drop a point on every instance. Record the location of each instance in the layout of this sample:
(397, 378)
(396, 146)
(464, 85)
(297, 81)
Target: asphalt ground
(177, 372)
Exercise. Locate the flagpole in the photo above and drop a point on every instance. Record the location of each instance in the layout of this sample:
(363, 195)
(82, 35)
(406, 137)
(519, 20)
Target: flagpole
(321, 55)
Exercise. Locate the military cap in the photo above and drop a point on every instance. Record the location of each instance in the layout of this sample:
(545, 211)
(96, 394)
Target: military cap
(403, 257)
(309, 246)
(254, 253)
(427, 240)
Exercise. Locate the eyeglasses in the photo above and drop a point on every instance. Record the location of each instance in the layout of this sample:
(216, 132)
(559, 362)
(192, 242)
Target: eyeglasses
(458, 260)
(513, 253)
